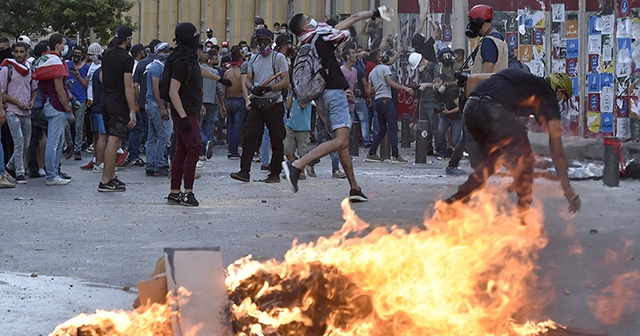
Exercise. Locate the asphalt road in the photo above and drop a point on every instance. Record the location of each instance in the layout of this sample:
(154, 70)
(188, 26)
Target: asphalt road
(114, 239)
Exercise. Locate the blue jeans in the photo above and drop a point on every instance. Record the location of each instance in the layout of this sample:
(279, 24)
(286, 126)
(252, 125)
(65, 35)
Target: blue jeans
(362, 113)
(324, 136)
(136, 134)
(2, 168)
(208, 123)
(158, 137)
(235, 117)
(57, 120)
(265, 148)
(387, 118)
(456, 132)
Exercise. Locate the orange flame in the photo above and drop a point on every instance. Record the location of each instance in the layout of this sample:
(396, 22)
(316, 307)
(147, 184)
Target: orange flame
(469, 272)
(620, 298)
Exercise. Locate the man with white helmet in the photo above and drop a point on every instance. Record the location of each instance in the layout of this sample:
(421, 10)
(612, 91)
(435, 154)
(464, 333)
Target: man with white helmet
(427, 107)
(490, 115)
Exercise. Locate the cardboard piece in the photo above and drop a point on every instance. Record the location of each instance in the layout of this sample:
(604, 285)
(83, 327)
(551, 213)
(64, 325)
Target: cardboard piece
(206, 310)
(153, 290)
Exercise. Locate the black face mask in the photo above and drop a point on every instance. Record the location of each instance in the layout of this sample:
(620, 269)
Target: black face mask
(128, 47)
(76, 58)
(192, 42)
(6, 54)
(473, 27)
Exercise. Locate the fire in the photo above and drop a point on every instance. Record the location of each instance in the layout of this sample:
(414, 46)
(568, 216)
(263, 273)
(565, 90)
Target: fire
(469, 271)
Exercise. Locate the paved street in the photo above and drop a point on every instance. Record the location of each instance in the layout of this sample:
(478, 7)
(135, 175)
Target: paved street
(113, 240)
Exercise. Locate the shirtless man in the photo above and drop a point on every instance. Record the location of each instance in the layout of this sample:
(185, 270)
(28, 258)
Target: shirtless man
(234, 102)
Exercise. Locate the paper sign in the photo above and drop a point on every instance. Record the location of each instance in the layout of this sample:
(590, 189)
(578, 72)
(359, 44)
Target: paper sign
(606, 122)
(538, 36)
(595, 44)
(623, 8)
(526, 38)
(525, 53)
(574, 84)
(572, 68)
(623, 69)
(593, 122)
(512, 23)
(594, 63)
(557, 12)
(594, 28)
(606, 79)
(623, 129)
(624, 28)
(593, 83)
(558, 66)
(594, 102)
(512, 40)
(624, 43)
(446, 33)
(606, 100)
(571, 29)
(606, 24)
(606, 66)
(622, 108)
(556, 40)
(559, 53)
(537, 67)
(573, 50)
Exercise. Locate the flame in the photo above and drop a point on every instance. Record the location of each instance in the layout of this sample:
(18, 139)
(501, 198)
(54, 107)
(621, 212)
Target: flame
(620, 298)
(469, 271)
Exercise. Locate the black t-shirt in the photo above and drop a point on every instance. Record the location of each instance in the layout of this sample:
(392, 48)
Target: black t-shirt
(428, 51)
(115, 63)
(447, 99)
(514, 88)
(335, 79)
(190, 78)
(97, 89)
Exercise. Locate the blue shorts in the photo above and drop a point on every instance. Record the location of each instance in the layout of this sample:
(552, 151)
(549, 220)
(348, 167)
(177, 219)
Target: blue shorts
(333, 103)
(97, 123)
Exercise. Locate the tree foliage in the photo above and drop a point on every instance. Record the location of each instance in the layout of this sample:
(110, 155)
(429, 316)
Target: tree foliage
(83, 16)
(23, 17)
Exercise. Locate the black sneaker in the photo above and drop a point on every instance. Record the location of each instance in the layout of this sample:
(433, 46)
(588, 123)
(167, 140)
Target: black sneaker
(64, 175)
(149, 172)
(117, 181)
(77, 156)
(241, 176)
(231, 156)
(292, 173)
(272, 178)
(174, 199)
(20, 179)
(356, 195)
(139, 162)
(11, 172)
(209, 149)
(189, 199)
(265, 167)
(111, 186)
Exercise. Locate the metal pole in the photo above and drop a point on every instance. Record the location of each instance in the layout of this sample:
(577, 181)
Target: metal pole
(583, 27)
(385, 149)
(422, 130)
(406, 131)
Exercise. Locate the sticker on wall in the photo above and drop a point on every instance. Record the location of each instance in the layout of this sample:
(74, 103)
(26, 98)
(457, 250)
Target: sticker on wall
(557, 12)
(525, 53)
(623, 30)
(624, 43)
(559, 53)
(593, 25)
(606, 66)
(572, 70)
(623, 8)
(606, 100)
(594, 102)
(512, 40)
(606, 122)
(512, 23)
(593, 122)
(623, 129)
(447, 33)
(556, 40)
(623, 69)
(538, 36)
(593, 83)
(558, 66)
(536, 66)
(595, 44)
(622, 108)
(526, 37)
(594, 63)
(606, 79)
(573, 48)
(571, 29)
(605, 24)
(574, 83)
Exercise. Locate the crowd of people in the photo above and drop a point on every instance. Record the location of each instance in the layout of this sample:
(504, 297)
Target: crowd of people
(173, 104)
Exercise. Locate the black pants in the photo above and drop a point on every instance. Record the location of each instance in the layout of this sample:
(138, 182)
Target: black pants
(38, 128)
(252, 133)
(502, 138)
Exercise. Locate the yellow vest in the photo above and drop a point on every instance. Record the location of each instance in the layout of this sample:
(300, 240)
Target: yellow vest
(503, 56)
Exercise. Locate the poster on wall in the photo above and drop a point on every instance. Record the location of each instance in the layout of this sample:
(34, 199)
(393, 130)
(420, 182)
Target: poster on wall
(623, 128)
(606, 122)
(557, 12)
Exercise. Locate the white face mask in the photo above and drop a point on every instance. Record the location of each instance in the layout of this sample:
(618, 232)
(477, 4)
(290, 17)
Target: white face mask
(65, 50)
(283, 31)
(313, 23)
(224, 50)
(207, 49)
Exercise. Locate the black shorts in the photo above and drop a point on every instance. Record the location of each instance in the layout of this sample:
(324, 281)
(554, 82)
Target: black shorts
(116, 116)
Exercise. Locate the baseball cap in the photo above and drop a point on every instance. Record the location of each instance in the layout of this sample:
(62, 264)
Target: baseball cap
(258, 20)
(283, 39)
(136, 49)
(121, 34)
(225, 44)
(264, 32)
(24, 39)
(161, 47)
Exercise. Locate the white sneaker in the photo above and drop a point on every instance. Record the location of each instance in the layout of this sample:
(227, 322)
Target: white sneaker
(98, 168)
(9, 178)
(200, 164)
(4, 183)
(203, 158)
(41, 172)
(57, 181)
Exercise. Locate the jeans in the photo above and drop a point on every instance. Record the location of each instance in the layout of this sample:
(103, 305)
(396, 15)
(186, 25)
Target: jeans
(265, 146)
(20, 127)
(324, 136)
(55, 129)
(136, 134)
(208, 123)
(252, 131)
(2, 168)
(387, 118)
(158, 137)
(78, 113)
(456, 132)
(362, 114)
(235, 117)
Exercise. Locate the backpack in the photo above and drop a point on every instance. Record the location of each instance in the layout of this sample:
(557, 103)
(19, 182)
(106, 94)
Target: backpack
(308, 73)
(165, 80)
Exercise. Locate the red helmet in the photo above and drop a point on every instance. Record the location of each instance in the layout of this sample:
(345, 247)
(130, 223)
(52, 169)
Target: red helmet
(225, 44)
(481, 11)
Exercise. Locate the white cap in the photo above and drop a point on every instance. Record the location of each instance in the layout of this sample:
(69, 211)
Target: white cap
(25, 39)
(213, 40)
(414, 60)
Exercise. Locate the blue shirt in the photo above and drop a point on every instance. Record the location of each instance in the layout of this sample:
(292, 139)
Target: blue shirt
(300, 120)
(361, 74)
(153, 70)
(77, 90)
(489, 50)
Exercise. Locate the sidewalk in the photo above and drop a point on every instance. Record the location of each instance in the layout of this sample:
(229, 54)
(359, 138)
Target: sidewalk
(580, 148)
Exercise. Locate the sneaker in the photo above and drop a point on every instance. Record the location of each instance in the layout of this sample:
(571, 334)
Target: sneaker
(233, 156)
(88, 166)
(209, 149)
(4, 183)
(338, 174)
(117, 180)
(42, 173)
(90, 149)
(64, 175)
(398, 159)
(160, 172)
(292, 174)
(265, 167)
(272, 178)
(98, 168)
(111, 186)
(256, 158)
(367, 145)
(139, 162)
(189, 199)
(11, 172)
(241, 176)
(302, 177)
(77, 156)
(202, 158)
(454, 171)
(311, 172)
(127, 164)
(68, 152)
(9, 178)
(149, 172)
(57, 181)
(121, 158)
(174, 198)
(21, 179)
(199, 164)
(373, 158)
(356, 195)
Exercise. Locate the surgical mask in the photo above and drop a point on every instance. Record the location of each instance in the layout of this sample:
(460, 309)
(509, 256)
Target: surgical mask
(265, 49)
(207, 49)
(245, 49)
(224, 50)
(76, 58)
(283, 31)
(65, 50)
(313, 23)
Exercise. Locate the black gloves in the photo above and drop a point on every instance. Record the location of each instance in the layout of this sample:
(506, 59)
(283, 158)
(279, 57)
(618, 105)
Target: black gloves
(462, 76)
(185, 125)
(259, 91)
(225, 81)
